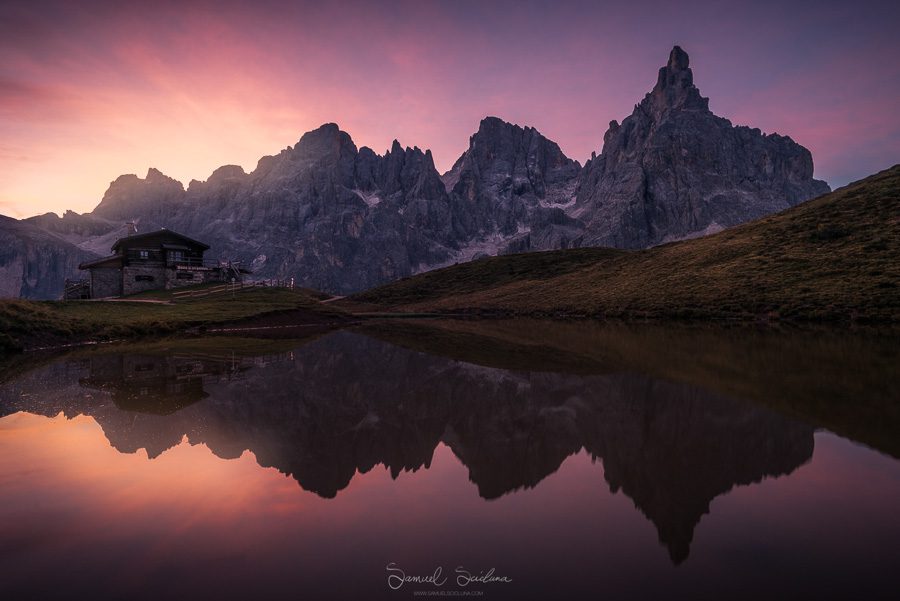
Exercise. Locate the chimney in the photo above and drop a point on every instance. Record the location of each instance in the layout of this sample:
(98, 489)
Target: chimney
(130, 228)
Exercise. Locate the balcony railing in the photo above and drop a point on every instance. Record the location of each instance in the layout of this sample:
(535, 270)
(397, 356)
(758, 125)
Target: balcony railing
(191, 262)
(159, 258)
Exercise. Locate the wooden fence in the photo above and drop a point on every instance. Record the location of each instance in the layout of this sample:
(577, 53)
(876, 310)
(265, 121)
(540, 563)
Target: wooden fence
(232, 287)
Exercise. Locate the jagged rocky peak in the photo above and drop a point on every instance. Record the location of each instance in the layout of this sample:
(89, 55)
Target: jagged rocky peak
(155, 176)
(675, 87)
(343, 219)
(511, 186)
(674, 170)
(328, 141)
(72, 223)
(325, 147)
(226, 172)
(368, 169)
(509, 160)
(226, 175)
(130, 195)
(410, 170)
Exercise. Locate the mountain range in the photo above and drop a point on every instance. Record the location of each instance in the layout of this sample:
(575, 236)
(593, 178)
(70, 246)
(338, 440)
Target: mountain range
(343, 219)
(833, 258)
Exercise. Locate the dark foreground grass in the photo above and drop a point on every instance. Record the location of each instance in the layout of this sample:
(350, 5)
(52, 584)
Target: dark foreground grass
(26, 324)
(170, 295)
(830, 259)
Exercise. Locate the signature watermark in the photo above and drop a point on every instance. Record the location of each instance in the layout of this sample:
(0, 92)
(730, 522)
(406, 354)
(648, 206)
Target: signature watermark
(462, 578)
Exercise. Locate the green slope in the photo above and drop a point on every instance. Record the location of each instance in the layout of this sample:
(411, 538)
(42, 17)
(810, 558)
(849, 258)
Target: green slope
(32, 324)
(833, 258)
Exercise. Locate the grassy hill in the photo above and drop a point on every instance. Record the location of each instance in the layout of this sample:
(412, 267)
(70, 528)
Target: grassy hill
(38, 323)
(833, 258)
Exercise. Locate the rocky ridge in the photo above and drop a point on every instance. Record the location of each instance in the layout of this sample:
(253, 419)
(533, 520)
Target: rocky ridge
(674, 170)
(342, 219)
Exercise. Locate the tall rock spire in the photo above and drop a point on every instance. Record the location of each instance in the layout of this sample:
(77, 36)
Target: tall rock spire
(674, 170)
(675, 87)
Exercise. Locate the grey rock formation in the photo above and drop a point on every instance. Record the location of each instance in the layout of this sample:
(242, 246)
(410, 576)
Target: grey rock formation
(88, 232)
(514, 185)
(343, 219)
(329, 215)
(35, 263)
(674, 170)
(129, 195)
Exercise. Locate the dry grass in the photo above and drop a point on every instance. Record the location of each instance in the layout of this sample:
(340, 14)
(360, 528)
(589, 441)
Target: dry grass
(31, 323)
(833, 258)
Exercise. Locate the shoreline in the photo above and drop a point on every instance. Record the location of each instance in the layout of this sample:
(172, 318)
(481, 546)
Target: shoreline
(280, 323)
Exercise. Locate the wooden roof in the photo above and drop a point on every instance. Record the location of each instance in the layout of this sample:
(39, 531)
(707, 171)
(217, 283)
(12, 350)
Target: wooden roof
(163, 233)
(113, 261)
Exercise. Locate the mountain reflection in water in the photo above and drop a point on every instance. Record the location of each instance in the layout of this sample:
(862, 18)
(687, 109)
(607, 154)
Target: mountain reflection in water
(327, 411)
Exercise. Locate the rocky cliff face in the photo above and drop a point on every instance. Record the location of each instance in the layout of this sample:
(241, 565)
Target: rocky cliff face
(343, 219)
(514, 185)
(154, 197)
(328, 214)
(35, 263)
(674, 170)
(90, 233)
(325, 213)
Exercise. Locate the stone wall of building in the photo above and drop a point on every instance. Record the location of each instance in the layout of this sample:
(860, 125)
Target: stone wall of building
(176, 278)
(106, 282)
(140, 278)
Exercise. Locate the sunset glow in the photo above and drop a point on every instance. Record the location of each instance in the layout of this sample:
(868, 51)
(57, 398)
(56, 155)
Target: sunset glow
(186, 514)
(91, 90)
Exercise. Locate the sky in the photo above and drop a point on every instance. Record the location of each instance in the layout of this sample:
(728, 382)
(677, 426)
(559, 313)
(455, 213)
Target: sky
(92, 90)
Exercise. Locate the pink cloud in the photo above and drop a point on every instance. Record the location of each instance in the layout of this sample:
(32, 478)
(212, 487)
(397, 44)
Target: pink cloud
(92, 90)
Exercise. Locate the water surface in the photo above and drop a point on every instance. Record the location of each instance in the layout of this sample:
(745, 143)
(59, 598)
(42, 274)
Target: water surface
(578, 461)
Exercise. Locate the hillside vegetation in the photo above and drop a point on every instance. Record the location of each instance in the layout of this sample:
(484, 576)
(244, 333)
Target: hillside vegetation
(35, 323)
(836, 257)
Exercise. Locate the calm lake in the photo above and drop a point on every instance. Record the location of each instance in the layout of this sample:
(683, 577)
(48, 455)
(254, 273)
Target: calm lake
(575, 460)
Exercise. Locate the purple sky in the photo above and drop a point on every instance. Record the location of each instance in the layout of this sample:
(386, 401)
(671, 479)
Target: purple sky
(91, 90)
